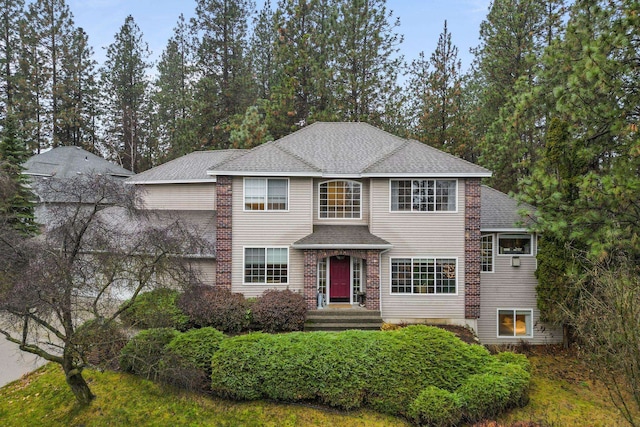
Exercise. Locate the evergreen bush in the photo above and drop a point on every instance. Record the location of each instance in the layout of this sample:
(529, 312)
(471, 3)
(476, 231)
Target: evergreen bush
(436, 407)
(155, 309)
(186, 362)
(484, 396)
(143, 353)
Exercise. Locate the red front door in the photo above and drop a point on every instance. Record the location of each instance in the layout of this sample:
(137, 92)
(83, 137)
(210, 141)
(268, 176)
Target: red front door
(340, 277)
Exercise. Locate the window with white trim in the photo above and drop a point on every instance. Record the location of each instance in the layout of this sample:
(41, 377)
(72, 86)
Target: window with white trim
(423, 275)
(423, 195)
(514, 323)
(486, 252)
(266, 194)
(514, 244)
(340, 199)
(266, 265)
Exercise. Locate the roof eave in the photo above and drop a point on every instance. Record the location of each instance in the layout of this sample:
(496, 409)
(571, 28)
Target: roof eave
(264, 173)
(427, 175)
(172, 181)
(505, 230)
(341, 246)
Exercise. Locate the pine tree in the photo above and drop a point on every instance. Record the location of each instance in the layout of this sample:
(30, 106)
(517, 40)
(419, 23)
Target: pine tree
(18, 208)
(79, 99)
(52, 24)
(302, 91)
(366, 59)
(11, 13)
(251, 132)
(224, 88)
(262, 51)
(174, 94)
(439, 116)
(126, 92)
(513, 38)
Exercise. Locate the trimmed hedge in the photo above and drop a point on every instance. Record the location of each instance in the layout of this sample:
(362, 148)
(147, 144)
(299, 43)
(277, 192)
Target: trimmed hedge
(436, 407)
(155, 309)
(143, 353)
(483, 396)
(397, 372)
(186, 362)
(279, 311)
(216, 307)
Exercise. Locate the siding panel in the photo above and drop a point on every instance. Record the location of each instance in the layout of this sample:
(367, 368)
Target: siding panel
(260, 229)
(415, 234)
(180, 196)
(511, 288)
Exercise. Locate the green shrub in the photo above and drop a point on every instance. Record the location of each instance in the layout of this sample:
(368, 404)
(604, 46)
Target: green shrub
(436, 407)
(143, 353)
(321, 366)
(155, 309)
(412, 358)
(216, 307)
(516, 378)
(187, 358)
(484, 396)
(516, 359)
(279, 311)
(100, 343)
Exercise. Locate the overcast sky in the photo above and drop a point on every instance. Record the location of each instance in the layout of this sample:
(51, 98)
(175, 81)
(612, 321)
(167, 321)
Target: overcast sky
(421, 22)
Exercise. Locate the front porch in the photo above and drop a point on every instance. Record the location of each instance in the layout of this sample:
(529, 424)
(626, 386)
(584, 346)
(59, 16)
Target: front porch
(342, 265)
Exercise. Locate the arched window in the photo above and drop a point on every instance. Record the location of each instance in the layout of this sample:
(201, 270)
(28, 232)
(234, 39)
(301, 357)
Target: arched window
(340, 199)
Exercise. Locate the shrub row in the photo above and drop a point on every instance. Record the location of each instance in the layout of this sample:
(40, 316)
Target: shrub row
(423, 373)
(182, 359)
(206, 306)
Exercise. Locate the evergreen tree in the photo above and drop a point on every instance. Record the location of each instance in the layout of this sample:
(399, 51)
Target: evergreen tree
(79, 99)
(513, 38)
(440, 118)
(11, 13)
(224, 88)
(262, 51)
(366, 59)
(174, 94)
(52, 25)
(251, 132)
(17, 209)
(302, 92)
(126, 92)
(586, 188)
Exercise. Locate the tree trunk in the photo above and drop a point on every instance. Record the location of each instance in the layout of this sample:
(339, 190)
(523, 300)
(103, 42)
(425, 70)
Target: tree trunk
(78, 385)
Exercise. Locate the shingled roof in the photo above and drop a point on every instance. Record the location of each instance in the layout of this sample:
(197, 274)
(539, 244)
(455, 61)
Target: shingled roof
(500, 212)
(346, 149)
(191, 168)
(66, 162)
(341, 237)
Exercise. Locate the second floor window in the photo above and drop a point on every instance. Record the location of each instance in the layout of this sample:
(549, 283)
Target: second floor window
(340, 199)
(266, 194)
(486, 252)
(423, 195)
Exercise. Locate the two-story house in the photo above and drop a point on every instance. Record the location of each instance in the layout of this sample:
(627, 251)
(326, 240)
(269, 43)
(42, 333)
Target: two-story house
(354, 214)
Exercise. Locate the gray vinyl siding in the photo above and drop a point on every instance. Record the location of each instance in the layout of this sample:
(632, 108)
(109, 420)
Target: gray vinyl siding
(271, 229)
(180, 196)
(511, 288)
(364, 192)
(418, 234)
(206, 269)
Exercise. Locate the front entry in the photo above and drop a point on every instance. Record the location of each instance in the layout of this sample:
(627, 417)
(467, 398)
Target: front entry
(340, 278)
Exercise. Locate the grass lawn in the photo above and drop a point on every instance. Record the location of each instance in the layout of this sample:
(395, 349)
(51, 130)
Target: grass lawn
(562, 394)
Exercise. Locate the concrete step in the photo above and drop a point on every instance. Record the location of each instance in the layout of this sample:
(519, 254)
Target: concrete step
(343, 319)
(329, 327)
